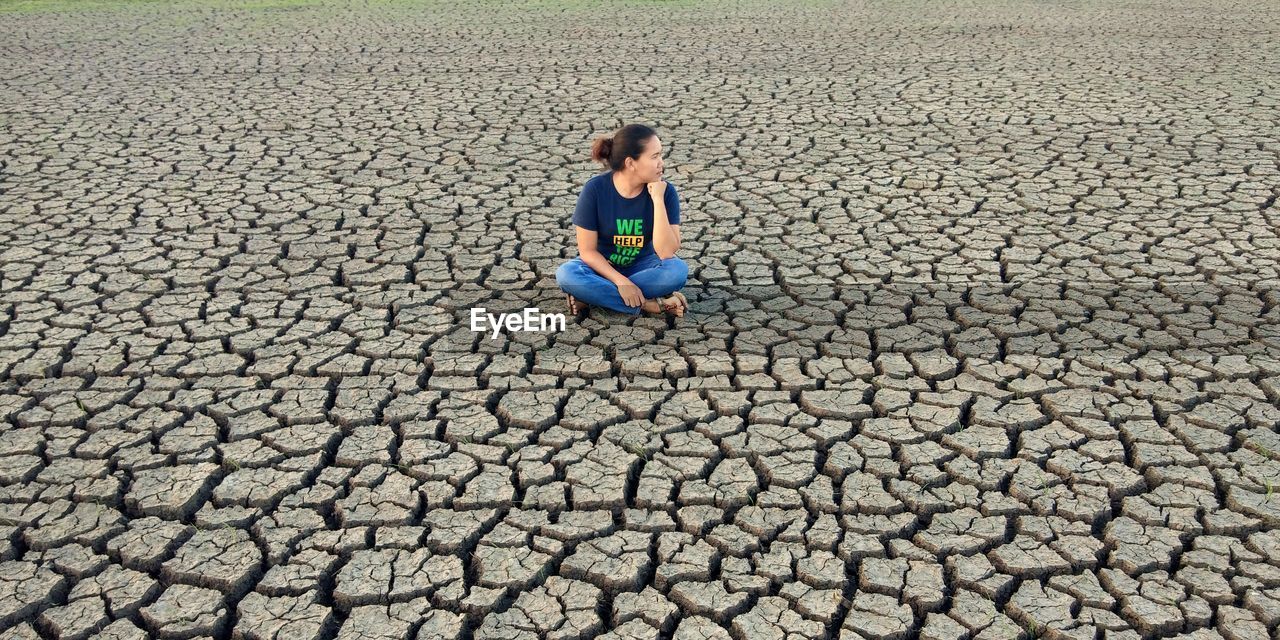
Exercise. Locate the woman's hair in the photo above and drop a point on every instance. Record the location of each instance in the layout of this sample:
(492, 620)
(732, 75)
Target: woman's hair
(627, 142)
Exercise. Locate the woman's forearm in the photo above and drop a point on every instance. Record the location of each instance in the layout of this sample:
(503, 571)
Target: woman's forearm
(664, 238)
(601, 265)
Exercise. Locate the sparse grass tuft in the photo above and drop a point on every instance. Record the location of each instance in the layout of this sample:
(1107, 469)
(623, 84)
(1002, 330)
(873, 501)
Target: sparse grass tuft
(543, 574)
(44, 6)
(1263, 451)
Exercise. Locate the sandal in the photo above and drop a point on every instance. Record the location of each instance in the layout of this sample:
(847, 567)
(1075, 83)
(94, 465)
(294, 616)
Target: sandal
(684, 303)
(672, 304)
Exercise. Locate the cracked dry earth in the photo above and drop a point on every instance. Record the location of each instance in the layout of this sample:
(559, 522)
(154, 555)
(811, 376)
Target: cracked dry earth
(984, 339)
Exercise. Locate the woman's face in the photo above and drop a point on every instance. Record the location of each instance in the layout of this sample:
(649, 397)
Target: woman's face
(648, 167)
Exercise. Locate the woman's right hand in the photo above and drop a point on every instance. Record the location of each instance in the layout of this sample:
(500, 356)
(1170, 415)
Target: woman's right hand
(631, 294)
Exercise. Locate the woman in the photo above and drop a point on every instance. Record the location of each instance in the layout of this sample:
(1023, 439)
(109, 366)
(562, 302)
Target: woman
(628, 231)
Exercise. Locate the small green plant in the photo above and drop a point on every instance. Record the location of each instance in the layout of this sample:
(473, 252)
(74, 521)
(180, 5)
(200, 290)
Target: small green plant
(268, 4)
(1264, 451)
(230, 462)
(31, 6)
(543, 574)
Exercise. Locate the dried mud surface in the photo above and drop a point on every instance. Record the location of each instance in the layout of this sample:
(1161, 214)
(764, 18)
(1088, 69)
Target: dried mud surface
(984, 340)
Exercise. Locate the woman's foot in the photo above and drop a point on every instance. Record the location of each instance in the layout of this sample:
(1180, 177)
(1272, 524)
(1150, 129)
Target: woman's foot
(670, 304)
(575, 307)
(684, 302)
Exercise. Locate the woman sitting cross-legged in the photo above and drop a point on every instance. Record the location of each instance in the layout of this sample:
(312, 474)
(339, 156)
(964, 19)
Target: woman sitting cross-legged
(628, 231)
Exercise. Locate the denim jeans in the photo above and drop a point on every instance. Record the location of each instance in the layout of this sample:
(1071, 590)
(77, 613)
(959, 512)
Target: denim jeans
(655, 277)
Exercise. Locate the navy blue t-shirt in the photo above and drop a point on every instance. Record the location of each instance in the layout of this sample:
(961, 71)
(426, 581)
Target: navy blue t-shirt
(624, 225)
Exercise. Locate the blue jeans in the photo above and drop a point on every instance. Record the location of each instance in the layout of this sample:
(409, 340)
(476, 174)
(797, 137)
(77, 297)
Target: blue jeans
(655, 277)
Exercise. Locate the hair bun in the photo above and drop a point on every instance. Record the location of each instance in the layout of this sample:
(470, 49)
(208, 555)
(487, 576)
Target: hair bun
(629, 142)
(602, 149)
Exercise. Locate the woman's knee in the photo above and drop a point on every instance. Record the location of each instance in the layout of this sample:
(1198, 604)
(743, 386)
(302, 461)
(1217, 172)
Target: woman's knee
(564, 274)
(679, 271)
